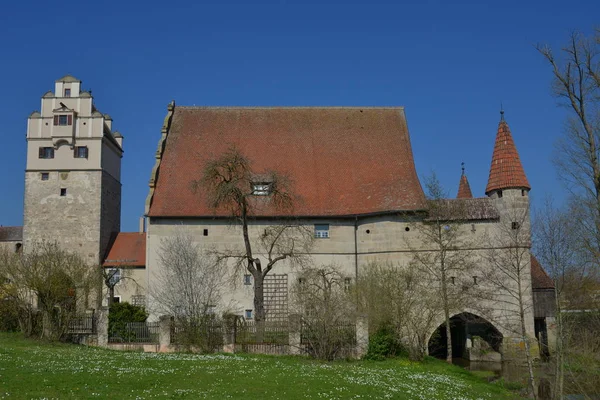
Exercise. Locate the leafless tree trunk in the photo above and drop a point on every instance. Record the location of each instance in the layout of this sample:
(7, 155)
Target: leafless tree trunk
(327, 312)
(188, 286)
(233, 186)
(444, 260)
(509, 273)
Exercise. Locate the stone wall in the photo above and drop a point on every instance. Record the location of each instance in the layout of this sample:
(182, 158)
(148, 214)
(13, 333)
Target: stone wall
(72, 220)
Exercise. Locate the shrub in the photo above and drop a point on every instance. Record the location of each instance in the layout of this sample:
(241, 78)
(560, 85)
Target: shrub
(383, 344)
(122, 313)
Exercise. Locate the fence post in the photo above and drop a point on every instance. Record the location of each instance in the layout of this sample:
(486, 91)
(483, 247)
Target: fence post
(164, 333)
(102, 326)
(229, 332)
(295, 334)
(362, 335)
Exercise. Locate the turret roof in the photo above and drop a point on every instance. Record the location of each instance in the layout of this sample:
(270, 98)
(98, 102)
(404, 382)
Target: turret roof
(464, 189)
(506, 171)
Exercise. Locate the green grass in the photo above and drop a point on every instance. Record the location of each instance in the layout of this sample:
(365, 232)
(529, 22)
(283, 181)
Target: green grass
(34, 370)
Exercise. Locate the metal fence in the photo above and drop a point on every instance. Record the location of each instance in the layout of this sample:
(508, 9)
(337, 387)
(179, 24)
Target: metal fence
(134, 332)
(271, 332)
(207, 334)
(82, 324)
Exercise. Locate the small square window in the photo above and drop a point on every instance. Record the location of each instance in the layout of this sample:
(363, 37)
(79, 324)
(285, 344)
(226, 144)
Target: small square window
(301, 281)
(247, 279)
(45, 176)
(46, 152)
(347, 283)
(62, 120)
(63, 192)
(515, 225)
(261, 189)
(499, 194)
(248, 314)
(205, 232)
(67, 92)
(321, 231)
(81, 152)
(474, 280)
(453, 280)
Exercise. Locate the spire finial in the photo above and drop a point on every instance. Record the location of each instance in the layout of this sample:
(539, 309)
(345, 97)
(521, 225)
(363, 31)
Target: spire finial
(501, 112)
(462, 166)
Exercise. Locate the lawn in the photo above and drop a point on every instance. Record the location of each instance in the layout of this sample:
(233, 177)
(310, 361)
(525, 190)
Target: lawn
(33, 370)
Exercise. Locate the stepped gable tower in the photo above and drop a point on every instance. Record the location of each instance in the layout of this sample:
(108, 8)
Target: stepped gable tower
(464, 189)
(73, 173)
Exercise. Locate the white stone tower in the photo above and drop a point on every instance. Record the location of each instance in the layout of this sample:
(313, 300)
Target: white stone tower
(73, 173)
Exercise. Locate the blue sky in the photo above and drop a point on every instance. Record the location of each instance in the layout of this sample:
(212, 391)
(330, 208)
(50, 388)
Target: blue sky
(450, 64)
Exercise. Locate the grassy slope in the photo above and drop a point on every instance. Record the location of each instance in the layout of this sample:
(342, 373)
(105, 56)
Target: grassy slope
(36, 370)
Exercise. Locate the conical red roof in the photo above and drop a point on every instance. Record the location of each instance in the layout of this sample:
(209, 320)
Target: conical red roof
(464, 189)
(506, 171)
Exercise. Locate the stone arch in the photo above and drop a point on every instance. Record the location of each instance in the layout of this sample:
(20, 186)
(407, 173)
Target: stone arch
(466, 326)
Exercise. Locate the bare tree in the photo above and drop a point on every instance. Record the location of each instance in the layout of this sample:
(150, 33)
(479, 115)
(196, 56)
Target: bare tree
(400, 297)
(509, 273)
(576, 83)
(188, 286)
(323, 300)
(232, 185)
(114, 276)
(556, 245)
(57, 280)
(445, 261)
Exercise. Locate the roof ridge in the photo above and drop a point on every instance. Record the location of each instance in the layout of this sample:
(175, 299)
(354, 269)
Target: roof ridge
(295, 107)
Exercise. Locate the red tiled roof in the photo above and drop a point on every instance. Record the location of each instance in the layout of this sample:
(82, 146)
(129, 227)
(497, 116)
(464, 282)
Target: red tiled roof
(464, 189)
(341, 161)
(128, 250)
(11, 233)
(539, 277)
(506, 170)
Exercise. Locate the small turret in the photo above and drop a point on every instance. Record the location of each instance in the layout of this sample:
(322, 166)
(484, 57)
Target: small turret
(506, 171)
(464, 189)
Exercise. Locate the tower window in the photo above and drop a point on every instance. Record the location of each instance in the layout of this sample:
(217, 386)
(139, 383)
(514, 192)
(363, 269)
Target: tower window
(321, 231)
(474, 280)
(63, 120)
(63, 192)
(247, 279)
(67, 92)
(45, 176)
(347, 283)
(81, 152)
(499, 194)
(515, 225)
(205, 232)
(46, 152)
(248, 314)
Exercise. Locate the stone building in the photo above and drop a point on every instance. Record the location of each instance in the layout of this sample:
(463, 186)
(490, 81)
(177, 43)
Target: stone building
(73, 173)
(357, 187)
(11, 238)
(353, 174)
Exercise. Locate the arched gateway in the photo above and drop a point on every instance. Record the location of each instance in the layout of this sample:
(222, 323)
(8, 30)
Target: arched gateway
(473, 337)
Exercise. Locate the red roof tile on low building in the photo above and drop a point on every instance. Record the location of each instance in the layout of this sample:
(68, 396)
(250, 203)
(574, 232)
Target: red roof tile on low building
(464, 189)
(506, 171)
(11, 233)
(341, 160)
(128, 250)
(539, 277)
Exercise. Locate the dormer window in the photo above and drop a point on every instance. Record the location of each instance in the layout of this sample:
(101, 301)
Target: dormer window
(63, 120)
(67, 92)
(261, 189)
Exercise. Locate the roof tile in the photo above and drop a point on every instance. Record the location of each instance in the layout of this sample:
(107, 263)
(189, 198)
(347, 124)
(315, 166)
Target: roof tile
(128, 250)
(506, 170)
(341, 160)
